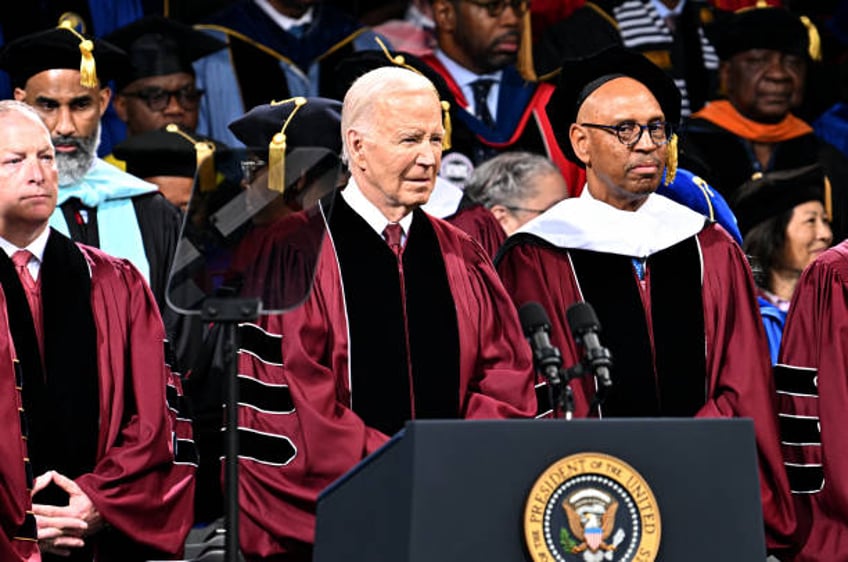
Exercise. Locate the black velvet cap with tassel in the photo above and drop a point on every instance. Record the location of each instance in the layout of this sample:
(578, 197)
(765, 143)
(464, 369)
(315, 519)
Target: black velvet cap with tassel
(769, 28)
(157, 46)
(580, 77)
(274, 129)
(169, 151)
(98, 61)
(773, 193)
(355, 65)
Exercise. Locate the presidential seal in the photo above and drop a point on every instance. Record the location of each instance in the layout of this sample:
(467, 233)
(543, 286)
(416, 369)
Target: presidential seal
(591, 507)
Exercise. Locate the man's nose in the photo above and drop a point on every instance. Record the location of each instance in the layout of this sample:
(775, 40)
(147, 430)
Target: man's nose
(64, 122)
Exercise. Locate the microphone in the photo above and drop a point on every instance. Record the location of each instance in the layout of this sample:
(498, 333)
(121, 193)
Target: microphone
(584, 325)
(537, 328)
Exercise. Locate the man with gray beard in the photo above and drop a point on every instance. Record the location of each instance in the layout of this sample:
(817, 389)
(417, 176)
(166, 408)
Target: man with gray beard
(98, 204)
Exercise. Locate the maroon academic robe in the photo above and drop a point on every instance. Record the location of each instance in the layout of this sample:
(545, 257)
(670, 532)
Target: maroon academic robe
(737, 375)
(812, 384)
(482, 226)
(447, 202)
(15, 502)
(301, 423)
(143, 481)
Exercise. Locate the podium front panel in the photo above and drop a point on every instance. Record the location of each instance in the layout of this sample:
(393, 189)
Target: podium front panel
(452, 491)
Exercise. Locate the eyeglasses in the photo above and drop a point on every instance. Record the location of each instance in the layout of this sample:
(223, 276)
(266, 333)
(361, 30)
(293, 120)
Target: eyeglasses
(157, 99)
(496, 7)
(629, 132)
(525, 209)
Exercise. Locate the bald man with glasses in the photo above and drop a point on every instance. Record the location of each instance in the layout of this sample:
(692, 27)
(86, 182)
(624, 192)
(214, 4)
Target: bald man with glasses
(672, 291)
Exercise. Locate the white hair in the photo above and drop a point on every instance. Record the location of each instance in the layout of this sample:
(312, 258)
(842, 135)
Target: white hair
(369, 89)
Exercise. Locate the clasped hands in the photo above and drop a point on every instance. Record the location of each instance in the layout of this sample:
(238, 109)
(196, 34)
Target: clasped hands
(62, 528)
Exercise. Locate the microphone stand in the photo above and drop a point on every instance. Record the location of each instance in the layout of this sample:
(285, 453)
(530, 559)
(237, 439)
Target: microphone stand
(229, 312)
(562, 397)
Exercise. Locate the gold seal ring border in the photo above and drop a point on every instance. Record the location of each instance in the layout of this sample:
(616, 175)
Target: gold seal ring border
(591, 463)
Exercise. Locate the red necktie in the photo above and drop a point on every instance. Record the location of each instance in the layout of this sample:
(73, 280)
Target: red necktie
(392, 234)
(33, 293)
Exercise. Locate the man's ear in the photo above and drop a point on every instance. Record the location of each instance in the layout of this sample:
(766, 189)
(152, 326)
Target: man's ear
(500, 212)
(444, 15)
(105, 95)
(120, 105)
(579, 142)
(505, 218)
(354, 141)
(20, 94)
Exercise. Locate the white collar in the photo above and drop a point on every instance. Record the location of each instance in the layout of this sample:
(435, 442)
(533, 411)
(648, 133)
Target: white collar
(36, 247)
(463, 76)
(664, 12)
(281, 20)
(587, 223)
(354, 197)
(445, 199)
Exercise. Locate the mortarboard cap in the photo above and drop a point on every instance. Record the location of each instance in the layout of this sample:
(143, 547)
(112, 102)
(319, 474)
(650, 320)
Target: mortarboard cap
(169, 151)
(770, 28)
(316, 123)
(361, 62)
(280, 127)
(61, 47)
(157, 46)
(771, 194)
(582, 76)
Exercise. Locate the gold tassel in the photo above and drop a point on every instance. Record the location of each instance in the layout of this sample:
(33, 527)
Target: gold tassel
(446, 140)
(277, 150)
(277, 163)
(828, 198)
(88, 68)
(815, 49)
(524, 64)
(398, 60)
(204, 158)
(671, 160)
(206, 176)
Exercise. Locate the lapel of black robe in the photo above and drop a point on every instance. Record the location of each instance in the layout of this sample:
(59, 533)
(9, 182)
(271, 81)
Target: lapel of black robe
(378, 318)
(61, 399)
(672, 380)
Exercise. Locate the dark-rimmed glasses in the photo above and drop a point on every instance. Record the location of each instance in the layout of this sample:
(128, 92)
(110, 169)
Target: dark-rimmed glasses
(157, 99)
(629, 132)
(496, 7)
(525, 209)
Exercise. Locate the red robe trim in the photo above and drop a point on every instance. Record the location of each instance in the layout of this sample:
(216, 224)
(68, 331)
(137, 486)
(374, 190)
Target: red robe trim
(574, 175)
(323, 436)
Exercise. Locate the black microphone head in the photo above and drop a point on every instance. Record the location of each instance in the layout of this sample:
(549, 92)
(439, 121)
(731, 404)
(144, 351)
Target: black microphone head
(581, 318)
(533, 317)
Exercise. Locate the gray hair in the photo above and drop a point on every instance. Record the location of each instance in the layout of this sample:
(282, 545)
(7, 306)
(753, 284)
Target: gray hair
(508, 179)
(367, 90)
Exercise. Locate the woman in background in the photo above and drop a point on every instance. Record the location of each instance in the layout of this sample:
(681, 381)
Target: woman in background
(785, 225)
